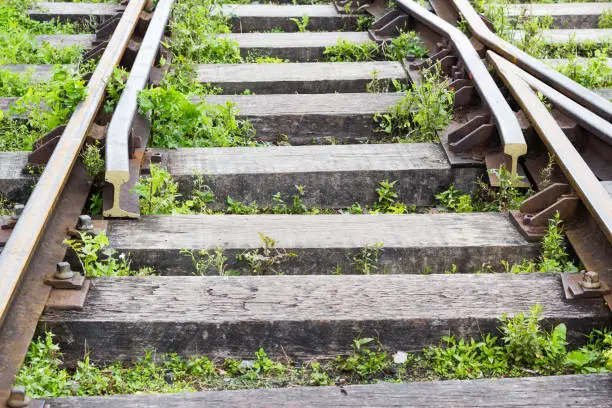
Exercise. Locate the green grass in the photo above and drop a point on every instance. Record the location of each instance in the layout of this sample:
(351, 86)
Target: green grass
(524, 347)
(45, 106)
(17, 37)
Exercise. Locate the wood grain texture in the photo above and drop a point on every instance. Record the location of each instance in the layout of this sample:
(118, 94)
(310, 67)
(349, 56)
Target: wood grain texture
(66, 40)
(560, 36)
(287, 78)
(305, 118)
(293, 46)
(334, 176)
(554, 391)
(304, 316)
(265, 17)
(413, 243)
(68, 11)
(15, 185)
(564, 15)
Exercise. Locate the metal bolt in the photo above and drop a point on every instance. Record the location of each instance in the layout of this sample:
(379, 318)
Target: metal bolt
(18, 398)
(156, 158)
(85, 223)
(63, 271)
(590, 280)
(17, 211)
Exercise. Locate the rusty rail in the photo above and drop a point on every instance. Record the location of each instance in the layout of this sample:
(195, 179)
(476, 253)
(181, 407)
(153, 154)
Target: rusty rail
(590, 190)
(535, 67)
(508, 127)
(26, 240)
(121, 125)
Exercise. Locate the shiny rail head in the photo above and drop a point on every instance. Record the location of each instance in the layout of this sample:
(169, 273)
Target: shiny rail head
(120, 168)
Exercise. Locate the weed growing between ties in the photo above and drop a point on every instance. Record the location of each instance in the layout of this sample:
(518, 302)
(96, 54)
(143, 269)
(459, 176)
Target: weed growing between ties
(45, 106)
(592, 73)
(97, 258)
(488, 199)
(176, 121)
(406, 45)
(425, 109)
(267, 259)
(523, 348)
(18, 44)
(526, 32)
(159, 194)
(554, 255)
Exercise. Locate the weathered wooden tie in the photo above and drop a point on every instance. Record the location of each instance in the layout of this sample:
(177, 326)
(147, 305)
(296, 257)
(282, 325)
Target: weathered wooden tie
(593, 390)
(69, 11)
(308, 118)
(66, 40)
(293, 46)
(561, 36)
(14, 183)
(265, 17)
(564, 15)
(332, 176)
(304, 317)
(287, 78)
(412, 243)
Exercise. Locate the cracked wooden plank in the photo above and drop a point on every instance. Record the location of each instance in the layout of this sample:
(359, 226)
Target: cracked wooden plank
(412, 243)
(304, 317)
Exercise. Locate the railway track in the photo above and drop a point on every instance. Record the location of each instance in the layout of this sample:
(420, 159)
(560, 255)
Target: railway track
(306, 183)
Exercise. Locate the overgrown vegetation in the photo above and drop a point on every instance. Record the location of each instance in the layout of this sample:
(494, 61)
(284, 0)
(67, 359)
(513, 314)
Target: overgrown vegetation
(347, 51)
(44, 105)
(526, 32)
(592, 73)
(93, 161)
(159, 194)
(523, 348)
(506, 196)
(425, 109)
(407, 44)
(97, 258)
(18, 43)
(176, 121)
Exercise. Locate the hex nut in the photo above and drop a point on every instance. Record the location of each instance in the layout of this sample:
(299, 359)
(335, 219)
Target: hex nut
(590, 280)
(85, 223)
(63, 271)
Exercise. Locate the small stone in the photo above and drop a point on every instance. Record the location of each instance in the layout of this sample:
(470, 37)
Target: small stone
(400, 357)
(247, 364)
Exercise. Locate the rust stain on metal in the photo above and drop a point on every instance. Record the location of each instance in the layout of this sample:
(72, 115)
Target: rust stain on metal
(68, 299)
(19, 325)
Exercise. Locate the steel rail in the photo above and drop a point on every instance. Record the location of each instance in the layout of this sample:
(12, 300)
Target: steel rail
(594, 124)
(24, 241)
(589, 188)
(535, 67)
(118, 133)
(509, 129)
